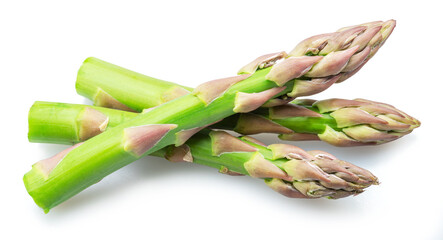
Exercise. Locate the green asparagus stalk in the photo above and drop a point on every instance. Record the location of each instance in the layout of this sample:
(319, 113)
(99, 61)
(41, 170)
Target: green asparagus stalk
(367, 122)
(372, 123)
(52, 182)
(287, 169)
(108, 85)
(338, 121)
(71, 123)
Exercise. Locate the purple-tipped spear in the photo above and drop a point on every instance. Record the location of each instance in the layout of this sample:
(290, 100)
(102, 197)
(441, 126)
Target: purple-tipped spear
(340, 122)
(301, 121)
(108, 85)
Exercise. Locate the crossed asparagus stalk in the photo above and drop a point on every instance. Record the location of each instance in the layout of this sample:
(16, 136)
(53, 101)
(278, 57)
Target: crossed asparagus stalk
(176, 130)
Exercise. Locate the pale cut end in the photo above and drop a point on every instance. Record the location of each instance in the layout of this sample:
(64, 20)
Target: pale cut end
(287, 151)
(346, 117)
(173, 93)
(291, 110)
(249, 123)
(310, 87)
(138, 140)
(259, 167)
(211, 90)
(284, 188)
(223, 142)
(264, 61)
(299, 137)
(247, 102)
(91, 123)
(179, 154)
(332, 64)
(47, 165)
(339, 139)
(290, 68)
(104, 99)
(226, 171)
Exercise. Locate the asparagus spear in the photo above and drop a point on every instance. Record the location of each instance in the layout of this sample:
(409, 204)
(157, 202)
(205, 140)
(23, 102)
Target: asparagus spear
(287, 169)
(372, 122)
(107, 85)
(52, 182)
(337, 121)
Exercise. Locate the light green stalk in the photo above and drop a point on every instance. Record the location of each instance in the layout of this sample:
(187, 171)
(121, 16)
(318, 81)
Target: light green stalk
(52, 182)
(336, 121)
(143, 94)
(63, 123)
(367, 123)
(339, 122)
(296, 121)
(322, 175)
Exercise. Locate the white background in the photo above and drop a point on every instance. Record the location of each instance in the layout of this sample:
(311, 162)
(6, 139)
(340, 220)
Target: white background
(43, 43)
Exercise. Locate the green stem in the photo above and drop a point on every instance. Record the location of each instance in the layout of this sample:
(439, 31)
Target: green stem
(145, 92)
(52, 182)
(94, 72)
(100, 156)
(60, 122)
(51, 122)
(237, 157)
